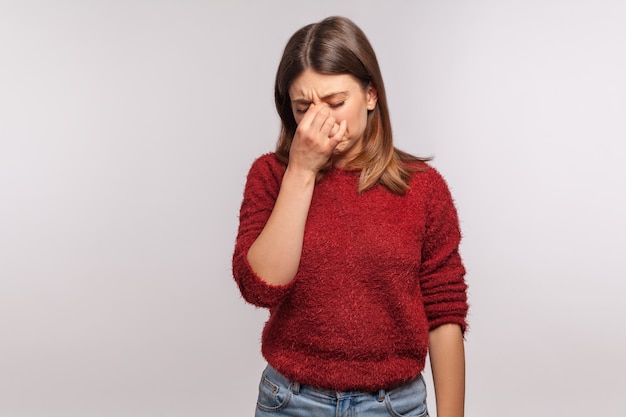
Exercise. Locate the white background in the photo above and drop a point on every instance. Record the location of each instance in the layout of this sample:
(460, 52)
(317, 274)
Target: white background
(126, 132)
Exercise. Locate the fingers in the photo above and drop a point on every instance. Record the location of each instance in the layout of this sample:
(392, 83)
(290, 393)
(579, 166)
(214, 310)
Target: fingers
(334, 130)
(322, 121)
(314, 117)
(318, 131)
(318, 123)
(338, 132)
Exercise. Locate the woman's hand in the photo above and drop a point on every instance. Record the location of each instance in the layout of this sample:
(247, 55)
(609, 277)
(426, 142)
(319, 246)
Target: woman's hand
(317, 135)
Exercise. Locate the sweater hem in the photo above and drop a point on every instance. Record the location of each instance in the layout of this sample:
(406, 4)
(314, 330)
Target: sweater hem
(346, 375)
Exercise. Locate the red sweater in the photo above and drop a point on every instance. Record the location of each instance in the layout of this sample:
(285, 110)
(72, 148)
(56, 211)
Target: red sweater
(377, 272)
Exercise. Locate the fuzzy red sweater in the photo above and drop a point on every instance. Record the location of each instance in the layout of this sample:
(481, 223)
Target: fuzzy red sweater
(377, 272)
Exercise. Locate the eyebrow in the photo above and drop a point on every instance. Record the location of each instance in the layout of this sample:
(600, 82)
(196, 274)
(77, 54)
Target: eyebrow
(326, 97)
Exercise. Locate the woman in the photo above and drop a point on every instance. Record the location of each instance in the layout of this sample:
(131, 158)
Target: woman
(351, 244)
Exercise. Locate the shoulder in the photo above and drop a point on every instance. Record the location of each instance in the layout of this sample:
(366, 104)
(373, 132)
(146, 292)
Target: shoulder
(267, 166)
(425, 176)
(264, 179)
(429, 186)
(268, 160)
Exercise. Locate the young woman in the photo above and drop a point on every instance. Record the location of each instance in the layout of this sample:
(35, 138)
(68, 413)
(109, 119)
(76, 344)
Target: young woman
(351, 244)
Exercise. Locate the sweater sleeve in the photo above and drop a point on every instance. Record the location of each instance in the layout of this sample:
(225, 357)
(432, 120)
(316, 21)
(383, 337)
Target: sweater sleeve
(442, 272)
(260, 193)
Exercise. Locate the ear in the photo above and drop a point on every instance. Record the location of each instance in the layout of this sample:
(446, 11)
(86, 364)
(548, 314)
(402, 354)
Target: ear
(372, 97)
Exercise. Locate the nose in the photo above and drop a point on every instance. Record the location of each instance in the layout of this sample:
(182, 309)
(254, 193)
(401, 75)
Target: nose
(322, 105)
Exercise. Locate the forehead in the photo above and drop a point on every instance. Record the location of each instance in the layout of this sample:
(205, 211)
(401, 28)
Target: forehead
(311, 84)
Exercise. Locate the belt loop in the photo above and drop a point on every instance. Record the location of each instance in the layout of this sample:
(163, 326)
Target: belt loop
(295, 387)
(381, 395)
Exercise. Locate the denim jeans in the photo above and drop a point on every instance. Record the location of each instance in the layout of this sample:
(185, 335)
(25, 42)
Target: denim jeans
(281, 397)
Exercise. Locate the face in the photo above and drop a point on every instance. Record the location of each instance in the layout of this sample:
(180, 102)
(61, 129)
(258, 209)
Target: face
(347, 99)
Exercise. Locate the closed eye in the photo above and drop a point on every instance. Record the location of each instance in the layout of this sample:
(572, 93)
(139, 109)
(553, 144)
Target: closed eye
(302, 110)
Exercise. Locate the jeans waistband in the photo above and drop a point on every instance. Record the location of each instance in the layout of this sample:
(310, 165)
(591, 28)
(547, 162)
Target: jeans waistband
(295, 387)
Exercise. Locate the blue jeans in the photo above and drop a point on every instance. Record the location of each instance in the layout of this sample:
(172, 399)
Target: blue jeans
(281, 397)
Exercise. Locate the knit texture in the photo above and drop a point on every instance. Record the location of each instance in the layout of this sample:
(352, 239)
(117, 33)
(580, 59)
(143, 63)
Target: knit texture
(378, 272)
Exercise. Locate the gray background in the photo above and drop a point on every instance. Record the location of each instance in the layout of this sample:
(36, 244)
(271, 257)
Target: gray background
(127, 129)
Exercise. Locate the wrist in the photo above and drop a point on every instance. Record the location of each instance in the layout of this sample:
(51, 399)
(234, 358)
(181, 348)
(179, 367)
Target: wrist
(298, 175)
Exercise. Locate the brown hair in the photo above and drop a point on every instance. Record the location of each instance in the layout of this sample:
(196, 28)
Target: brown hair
(337, 46)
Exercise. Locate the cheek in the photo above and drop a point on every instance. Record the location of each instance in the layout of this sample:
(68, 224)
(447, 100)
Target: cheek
(341, 114)
(355, 115)
(355, 120)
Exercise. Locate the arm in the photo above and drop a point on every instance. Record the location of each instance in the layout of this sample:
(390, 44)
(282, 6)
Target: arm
(445, 299)
(447, 360)
(275, 254)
